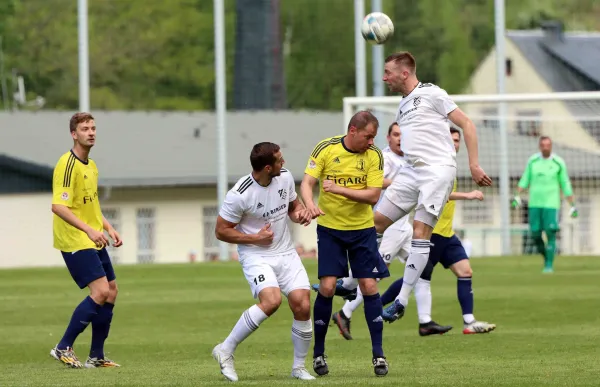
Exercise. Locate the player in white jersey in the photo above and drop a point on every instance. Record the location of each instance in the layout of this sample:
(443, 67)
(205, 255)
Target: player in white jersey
(254, 216)
(427, 180)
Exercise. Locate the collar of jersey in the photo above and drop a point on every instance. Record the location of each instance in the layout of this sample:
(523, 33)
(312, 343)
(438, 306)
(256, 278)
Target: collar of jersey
(80, 160)
(257, 183)
(416, 87)
(541, 156)
(344, 145)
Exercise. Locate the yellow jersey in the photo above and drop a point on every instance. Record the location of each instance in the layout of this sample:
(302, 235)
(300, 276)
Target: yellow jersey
(331, 160)
(444, 224)
(75, 185)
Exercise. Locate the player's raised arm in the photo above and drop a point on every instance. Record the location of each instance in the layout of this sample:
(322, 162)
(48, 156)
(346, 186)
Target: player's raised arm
(460, 119)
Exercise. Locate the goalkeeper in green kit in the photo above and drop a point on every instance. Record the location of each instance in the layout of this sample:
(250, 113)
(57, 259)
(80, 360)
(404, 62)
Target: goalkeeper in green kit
(545, 176)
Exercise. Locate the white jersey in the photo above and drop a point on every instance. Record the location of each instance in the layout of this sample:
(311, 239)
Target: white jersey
(392, 164)
(253, 206)
(424, 126)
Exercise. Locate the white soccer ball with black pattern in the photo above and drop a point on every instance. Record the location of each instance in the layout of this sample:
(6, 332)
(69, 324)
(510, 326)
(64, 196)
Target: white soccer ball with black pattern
(377, 27)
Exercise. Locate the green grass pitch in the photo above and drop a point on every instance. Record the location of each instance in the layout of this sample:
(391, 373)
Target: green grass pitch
(168, 318)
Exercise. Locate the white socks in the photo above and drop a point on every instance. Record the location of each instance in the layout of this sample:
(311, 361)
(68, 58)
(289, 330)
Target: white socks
(423, 298)
(350, 306)
(301, 337)
(248, 323)
(415, 264)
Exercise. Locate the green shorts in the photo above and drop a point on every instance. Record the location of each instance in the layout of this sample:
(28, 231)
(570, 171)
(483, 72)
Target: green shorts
(543, 219)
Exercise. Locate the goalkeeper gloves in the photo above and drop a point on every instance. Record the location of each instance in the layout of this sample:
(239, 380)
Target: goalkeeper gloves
(516, 202)
(573, 212)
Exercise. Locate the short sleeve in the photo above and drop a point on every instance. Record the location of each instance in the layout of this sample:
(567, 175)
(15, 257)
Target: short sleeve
(375, 171)
(316, 161)
(292, 187)
(63, 182)
(442, 103)
(232, 209)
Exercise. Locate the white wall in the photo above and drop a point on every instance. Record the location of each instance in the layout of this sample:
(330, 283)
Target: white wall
(26, 231)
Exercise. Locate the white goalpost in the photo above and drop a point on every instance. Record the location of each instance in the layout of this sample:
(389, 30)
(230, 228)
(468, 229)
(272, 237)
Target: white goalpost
(571, 120)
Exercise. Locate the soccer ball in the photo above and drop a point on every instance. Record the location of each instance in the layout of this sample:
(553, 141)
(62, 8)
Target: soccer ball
(377, 27)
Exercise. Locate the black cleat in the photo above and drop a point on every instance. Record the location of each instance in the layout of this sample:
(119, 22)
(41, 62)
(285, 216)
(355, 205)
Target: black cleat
(320, 365)
(343, 324)
(380, 366)
(433, 328)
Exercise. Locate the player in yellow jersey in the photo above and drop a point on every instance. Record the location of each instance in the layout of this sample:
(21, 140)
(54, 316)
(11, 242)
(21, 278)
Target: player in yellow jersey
(447, 250)
(79, 234)
(350, 169)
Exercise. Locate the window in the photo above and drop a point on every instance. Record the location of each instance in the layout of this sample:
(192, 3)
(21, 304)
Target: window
(529, 123)
(489, 118)
(476, 212)
(211, 243)
(114, 218)
(146, 237)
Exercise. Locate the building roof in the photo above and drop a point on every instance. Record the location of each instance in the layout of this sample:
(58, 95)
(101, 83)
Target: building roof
(567, 61)
(158, 149)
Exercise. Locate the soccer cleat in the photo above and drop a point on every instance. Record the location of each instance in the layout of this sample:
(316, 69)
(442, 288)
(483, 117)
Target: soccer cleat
(393, 312)
(225, 362)
(340, 290)
(380, 366)
(433, 328)
(548, 270)
(94, 362)
(320, 365)
(343, 323)
(478, 327)
(302, 374)
(66, 356)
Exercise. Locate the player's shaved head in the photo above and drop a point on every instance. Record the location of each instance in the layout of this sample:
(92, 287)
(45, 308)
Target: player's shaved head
(363, 118)
(262, 155)
(78, 118)
(403, 58)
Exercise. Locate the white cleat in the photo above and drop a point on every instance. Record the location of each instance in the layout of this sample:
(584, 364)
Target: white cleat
(478, 327)
(302, 374)
(225, 362)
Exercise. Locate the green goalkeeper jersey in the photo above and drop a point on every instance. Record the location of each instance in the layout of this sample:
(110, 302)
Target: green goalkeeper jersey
(545, 178)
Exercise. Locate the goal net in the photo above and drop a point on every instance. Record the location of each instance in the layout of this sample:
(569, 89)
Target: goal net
(508, 128)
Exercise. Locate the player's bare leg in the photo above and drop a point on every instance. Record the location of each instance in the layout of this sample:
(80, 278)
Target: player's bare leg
(269, 302)
(100, 329)
(299, 301)
(415, 264)
(322, 314)
(463, 272)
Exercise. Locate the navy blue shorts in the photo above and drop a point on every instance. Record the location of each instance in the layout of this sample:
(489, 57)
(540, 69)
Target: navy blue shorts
(88, 265)
(337, 247)
(446, 251)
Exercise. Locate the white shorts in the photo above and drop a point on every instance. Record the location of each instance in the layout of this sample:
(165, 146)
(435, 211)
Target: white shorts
(423, 188)
(396, 241)
(284, 271)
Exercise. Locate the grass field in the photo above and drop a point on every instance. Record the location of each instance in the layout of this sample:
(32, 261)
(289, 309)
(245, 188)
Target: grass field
(168, 318)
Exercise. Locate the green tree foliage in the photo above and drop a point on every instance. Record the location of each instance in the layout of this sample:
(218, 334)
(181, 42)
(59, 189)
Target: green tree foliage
(157, 54)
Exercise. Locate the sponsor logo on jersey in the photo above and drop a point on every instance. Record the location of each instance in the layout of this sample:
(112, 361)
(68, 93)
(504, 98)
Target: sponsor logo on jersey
(417, 101)
(275, 210)
(312, 164)
(347, 180)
